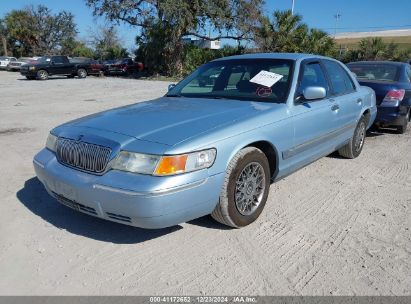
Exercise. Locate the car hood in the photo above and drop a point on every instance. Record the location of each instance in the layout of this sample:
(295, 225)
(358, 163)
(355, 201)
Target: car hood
(170, 120)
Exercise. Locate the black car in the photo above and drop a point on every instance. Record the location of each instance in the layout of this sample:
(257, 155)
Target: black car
(391, 82)
(53, 65)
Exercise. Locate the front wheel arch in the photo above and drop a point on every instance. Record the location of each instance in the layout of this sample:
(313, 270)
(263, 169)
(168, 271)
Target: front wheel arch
(269, 149)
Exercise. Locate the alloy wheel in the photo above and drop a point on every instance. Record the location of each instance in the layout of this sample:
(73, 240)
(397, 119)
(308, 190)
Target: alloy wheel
(250, 187)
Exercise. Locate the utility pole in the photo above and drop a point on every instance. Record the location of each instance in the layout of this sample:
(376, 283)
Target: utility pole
(292, 7)
(337, 18)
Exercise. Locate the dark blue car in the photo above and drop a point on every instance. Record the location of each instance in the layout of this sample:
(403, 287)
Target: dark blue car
(391, 82)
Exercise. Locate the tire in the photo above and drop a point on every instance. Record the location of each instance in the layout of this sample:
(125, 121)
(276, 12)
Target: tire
(81, 73)
(401, 129)
(354, 147)
(42, 75)
(229, 210)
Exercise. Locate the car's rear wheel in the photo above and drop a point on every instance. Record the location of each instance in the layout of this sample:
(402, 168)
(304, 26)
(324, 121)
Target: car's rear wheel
(42, 75)
(401, 129)
(81, 73)
(354, 147)
(245, 189)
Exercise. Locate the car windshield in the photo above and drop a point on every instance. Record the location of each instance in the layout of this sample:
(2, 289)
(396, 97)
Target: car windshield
(231, 79)
(380, 72)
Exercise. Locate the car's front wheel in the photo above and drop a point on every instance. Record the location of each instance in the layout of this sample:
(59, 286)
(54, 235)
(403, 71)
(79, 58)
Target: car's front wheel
(356, 143)
(42, 75)
(82, 73)
(245, 189)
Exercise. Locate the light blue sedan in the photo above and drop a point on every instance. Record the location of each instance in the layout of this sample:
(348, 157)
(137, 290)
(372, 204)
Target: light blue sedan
(212, 145)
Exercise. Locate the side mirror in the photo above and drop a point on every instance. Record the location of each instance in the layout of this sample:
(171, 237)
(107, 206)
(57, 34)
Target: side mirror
(312, 93)
(171, 86)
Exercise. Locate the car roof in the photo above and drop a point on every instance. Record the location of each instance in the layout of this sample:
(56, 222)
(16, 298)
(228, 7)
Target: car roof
(289, 56)
(395, 63)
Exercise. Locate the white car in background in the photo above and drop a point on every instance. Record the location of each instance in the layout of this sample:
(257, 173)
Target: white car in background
(4, 61)
(16, 65)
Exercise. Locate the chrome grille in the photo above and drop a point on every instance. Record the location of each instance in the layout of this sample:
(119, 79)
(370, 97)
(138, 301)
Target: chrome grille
(82, 155)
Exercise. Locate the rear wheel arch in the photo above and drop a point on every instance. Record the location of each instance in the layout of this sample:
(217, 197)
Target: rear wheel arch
(367, 115)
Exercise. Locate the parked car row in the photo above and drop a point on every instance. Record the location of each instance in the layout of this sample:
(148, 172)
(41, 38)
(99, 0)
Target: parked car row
(43, 67)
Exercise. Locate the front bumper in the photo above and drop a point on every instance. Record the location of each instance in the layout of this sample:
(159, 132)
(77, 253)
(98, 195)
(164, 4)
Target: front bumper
(29, 73)
(133, 199)
(14, 68)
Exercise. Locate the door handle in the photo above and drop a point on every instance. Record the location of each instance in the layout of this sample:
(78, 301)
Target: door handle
(335, 107)
(359, 100)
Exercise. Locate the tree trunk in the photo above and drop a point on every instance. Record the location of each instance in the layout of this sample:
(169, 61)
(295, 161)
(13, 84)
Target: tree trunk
(4, 43)
(175, 50)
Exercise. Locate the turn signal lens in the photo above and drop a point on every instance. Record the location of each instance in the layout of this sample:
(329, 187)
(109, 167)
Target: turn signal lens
(171, 165)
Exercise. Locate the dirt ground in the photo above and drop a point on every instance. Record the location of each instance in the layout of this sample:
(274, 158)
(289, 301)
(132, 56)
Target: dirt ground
(336, 227)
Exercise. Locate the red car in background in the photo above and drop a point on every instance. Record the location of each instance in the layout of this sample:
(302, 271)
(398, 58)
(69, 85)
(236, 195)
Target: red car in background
(124, 67)
(94, 67)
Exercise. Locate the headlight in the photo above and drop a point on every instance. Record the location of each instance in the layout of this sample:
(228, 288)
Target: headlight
(135, 162)
(51, 142)
(32, 68)
(164, 165)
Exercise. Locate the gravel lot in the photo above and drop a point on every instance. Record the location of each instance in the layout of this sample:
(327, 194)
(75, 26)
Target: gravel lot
(339, 227)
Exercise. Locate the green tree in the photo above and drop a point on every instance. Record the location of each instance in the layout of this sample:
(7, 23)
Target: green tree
(21, 32)
(372, 49)
(3, 37)
(36, 31)
(107, 43)
(319, 42)
(80, 49)
(180, 18)
(286, 32)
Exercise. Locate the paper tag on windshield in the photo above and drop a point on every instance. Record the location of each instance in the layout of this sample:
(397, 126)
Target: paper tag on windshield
(266, 78)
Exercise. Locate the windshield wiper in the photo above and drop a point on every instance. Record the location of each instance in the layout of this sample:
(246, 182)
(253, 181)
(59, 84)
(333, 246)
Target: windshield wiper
(173, 95)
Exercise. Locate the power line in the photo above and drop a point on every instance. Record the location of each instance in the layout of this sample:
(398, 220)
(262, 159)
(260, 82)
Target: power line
(366, 27)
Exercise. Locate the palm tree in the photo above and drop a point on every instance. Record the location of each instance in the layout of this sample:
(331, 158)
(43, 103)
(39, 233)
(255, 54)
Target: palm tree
(282, 34)
(320, 43)
(287, 33)
(372, 48)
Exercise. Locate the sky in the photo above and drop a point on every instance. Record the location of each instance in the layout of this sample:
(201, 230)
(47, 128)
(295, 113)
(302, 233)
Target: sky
(356, 15)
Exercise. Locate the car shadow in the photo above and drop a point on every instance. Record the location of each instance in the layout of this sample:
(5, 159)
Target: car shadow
(50, 78)
(37, 200)
(382, 131)
(208, 222)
